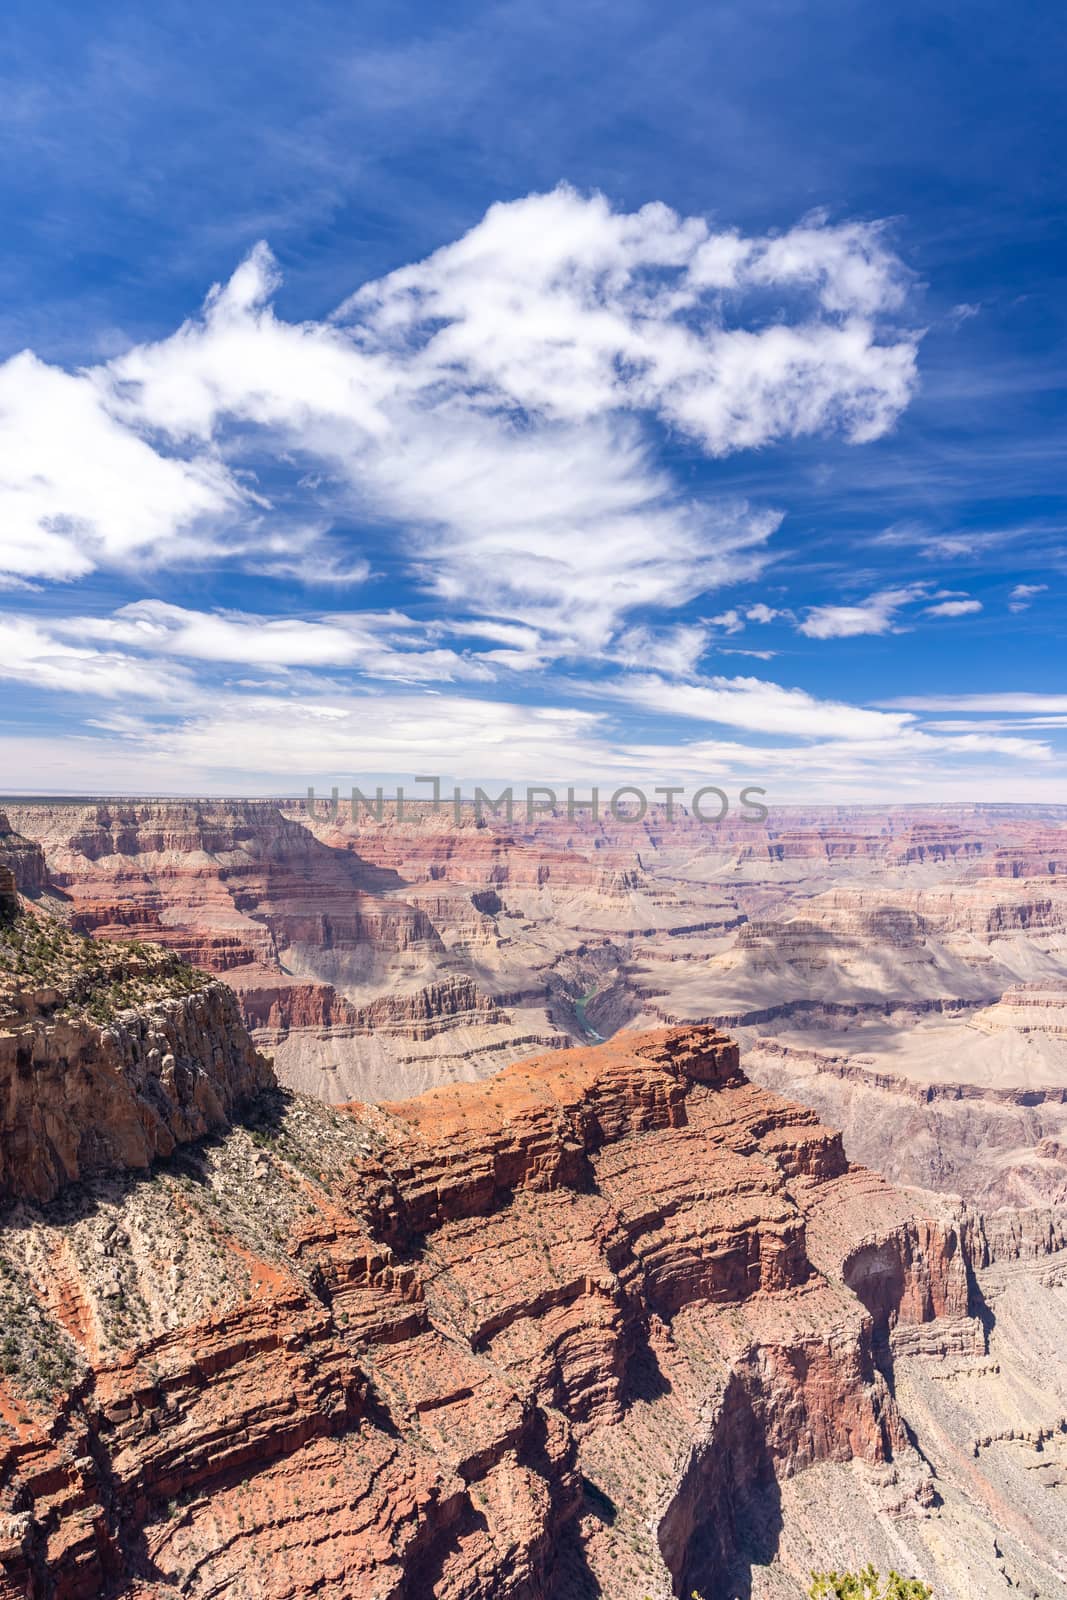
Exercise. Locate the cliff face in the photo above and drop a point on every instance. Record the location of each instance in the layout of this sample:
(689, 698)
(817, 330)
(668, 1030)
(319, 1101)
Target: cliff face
(22, 857)
(993, 1146)
(555, 1334)
(226, 884)
(78, 1098)
(110, 1055)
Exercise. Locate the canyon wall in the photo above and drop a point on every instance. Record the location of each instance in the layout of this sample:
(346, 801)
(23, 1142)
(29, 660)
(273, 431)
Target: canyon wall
(23, 858)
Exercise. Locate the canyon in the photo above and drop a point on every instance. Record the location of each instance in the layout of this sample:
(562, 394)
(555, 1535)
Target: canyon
(534, 1267)
(613, 1321)
(901, 970)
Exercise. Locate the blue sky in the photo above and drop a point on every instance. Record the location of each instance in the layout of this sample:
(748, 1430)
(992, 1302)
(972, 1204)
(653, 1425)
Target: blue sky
(600, 392)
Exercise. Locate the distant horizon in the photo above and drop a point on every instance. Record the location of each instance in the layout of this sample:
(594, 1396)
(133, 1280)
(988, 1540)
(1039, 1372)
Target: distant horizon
(415, 802)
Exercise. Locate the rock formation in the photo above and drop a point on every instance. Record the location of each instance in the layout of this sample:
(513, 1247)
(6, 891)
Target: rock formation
(110, 1056)
(587, 1327)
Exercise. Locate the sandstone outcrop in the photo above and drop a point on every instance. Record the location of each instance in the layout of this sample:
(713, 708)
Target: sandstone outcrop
(110, 1056)
(78, 1098)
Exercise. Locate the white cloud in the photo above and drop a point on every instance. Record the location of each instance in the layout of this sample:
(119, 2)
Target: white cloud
(565, 528)
(30, 654)
(78, 489)
(521, 648)
(991, 725)
(758, 707)
(877, 614)
(374, 643)
(491, 402)
(733, 621)
(238, 359)
(848, 736)
(953, 608)
(277, 742)
(562, 307)
(341, 736)
(1023, 594)
(1025, 703)
(676, 650)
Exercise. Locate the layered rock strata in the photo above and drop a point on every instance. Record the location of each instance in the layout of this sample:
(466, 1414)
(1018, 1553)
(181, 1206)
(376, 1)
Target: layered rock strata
(919, 951)
(564, 1332)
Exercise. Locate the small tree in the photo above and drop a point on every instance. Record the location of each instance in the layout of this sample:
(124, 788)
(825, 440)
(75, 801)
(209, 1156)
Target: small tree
(866, 1585)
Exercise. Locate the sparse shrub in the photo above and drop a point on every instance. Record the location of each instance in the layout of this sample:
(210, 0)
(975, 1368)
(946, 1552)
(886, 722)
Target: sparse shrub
(866, 1584)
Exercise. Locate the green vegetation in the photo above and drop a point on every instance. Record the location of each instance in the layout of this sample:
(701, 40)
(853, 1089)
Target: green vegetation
(866, 1585)
(92, 978)
(36, 1357)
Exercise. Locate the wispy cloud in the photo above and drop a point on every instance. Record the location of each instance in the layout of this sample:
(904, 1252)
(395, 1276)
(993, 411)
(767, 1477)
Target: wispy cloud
(388, 645)
(1023, 595)
(953, 608)
(1024, 702)
(758, 707)
(875, 615)
(31, 654)
(491, 402)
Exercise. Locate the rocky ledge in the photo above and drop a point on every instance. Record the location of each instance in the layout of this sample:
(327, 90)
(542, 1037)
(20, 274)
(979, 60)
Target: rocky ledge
(110, 1056)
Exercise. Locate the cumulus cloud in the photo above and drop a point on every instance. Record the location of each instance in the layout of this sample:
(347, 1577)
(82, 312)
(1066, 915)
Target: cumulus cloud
(733, 621)
(560, 306)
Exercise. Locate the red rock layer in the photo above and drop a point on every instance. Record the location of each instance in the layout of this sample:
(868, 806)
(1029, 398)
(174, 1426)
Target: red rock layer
(528, 1338)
